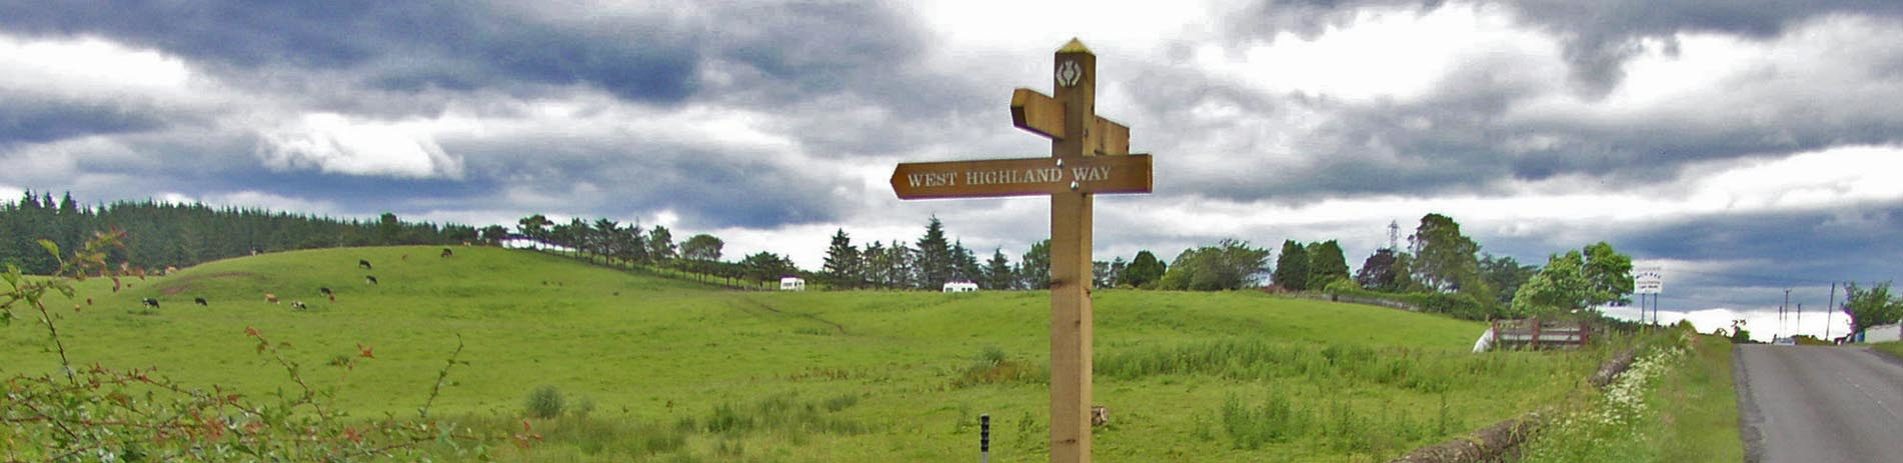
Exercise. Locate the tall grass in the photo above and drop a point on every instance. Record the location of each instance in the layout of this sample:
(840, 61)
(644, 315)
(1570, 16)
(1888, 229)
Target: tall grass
(1676, 403)
(726, 427)
(1420, 370)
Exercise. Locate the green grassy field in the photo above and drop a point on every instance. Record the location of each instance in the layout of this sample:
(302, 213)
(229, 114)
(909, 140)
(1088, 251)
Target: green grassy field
(672, 370)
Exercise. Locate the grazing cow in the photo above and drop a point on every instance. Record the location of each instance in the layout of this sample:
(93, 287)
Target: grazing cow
(89, 301)
(298, 305)
(333, 297)
(150, 302)
(170, 269)
(1099, 415)
(271, 298)
(324, 290)
(363, 264)
(371, 279)
(200, 301)
(448, 253)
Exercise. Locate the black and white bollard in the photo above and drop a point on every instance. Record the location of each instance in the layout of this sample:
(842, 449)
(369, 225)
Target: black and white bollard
(984, 438)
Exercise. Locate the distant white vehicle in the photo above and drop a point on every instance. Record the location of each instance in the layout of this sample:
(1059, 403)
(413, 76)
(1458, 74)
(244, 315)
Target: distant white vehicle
(1784, 341)
(792, 284)
(960, 287)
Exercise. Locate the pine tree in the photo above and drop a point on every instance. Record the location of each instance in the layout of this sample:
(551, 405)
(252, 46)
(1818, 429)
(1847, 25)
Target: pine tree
(842, 268)
(936, 264)
(997, 272)
(875, 265)
(904, 265)
(660, 244)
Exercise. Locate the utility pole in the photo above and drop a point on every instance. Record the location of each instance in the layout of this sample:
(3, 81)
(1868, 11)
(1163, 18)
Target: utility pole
(1781, 310)
(1828, 311)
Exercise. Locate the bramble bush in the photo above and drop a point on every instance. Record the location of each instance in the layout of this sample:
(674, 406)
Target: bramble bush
(99, 413)
(544, 402)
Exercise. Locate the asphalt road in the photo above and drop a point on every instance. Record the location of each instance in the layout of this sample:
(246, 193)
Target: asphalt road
(1819, 404)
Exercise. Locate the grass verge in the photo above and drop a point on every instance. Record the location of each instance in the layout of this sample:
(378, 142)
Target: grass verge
(1894, 348)
(1677, 403)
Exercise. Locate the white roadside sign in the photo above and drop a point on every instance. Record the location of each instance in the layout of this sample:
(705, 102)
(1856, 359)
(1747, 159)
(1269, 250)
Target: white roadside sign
(1648, 280)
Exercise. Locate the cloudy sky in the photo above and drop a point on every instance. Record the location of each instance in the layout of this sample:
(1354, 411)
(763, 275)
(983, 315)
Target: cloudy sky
(1748, 146)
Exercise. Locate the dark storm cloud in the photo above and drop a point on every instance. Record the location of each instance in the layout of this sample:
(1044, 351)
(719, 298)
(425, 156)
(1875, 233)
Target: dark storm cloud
(400, 45)
(1601, 35)
(1746, 260)
(1308, 18)
(27, 119)
(812, 70)
(626, 177)
(1598, 37)
(1472, 135)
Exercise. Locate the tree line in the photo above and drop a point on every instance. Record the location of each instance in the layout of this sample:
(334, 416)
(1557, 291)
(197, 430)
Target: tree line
(177, 235)
(1440, 268)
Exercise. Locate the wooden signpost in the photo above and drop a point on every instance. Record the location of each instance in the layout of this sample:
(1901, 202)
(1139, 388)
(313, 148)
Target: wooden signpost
(1089, 155)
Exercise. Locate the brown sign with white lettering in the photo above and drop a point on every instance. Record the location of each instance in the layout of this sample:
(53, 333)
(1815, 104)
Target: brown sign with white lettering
(1022, 177)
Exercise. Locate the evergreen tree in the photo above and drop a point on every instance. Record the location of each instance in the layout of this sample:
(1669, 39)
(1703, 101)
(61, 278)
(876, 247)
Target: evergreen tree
(843, 266)
(904, 265)
(936, 264)
(660, 244)
(1291, 269)
(965, 264)
(997, 273)
(602, 240)
(493, 234)
(876, 265)
(535, 228)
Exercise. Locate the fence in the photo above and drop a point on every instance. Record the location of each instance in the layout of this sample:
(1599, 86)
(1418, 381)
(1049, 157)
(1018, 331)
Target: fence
(1534, 333)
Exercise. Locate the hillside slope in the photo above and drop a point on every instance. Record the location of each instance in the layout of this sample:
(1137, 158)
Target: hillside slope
(901, 375)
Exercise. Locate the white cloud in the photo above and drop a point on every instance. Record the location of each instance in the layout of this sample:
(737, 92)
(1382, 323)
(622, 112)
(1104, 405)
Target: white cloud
(1831, 67)
(88, 67)
(1401, 54)
(336, 144)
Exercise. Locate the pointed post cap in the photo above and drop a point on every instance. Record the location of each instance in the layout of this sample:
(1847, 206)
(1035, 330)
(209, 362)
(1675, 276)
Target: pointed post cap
(1074, 46)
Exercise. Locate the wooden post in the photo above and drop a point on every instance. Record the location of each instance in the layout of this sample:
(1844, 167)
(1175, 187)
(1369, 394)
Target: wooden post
(1075, 75)
(1089, 155)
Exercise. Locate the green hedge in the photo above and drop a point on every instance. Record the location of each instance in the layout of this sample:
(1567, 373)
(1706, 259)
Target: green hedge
(1456, 305)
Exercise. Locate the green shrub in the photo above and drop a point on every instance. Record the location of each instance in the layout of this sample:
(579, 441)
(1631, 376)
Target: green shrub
(545, 402)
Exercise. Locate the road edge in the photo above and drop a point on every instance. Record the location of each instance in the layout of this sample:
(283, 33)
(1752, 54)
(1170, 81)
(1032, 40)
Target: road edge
(1748, 415)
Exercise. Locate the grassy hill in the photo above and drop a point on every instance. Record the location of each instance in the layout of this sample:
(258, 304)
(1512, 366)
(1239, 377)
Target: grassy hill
(678, 371)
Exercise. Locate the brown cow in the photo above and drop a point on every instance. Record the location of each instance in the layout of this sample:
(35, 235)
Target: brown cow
(271, 298)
